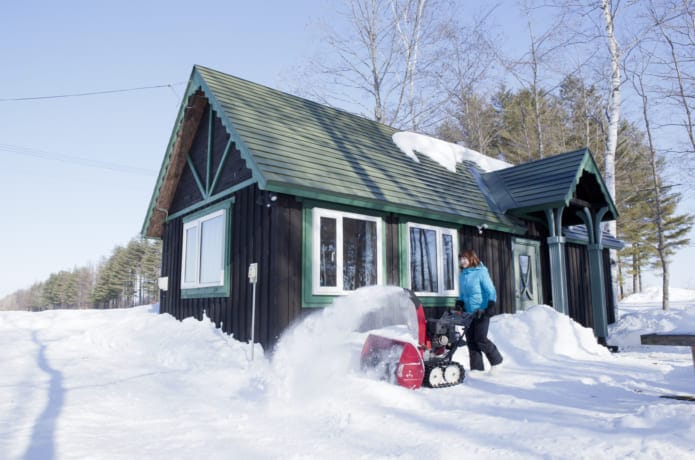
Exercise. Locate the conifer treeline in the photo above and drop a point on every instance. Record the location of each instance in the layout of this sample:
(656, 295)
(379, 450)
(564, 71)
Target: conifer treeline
(127, 278)
(499, 126)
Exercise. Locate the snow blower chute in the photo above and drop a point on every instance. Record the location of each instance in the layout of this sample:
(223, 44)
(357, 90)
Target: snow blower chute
(417, 351)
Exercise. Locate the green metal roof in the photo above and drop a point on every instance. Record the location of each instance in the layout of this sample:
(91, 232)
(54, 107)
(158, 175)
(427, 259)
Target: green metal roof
(552, 182)
(299, 147)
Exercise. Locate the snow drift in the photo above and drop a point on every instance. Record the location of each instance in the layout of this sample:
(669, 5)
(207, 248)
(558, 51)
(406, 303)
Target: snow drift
(135, 384)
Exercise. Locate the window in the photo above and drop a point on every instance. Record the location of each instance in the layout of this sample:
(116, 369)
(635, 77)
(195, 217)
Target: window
(346, 251)
(204, 250)
(432, 259)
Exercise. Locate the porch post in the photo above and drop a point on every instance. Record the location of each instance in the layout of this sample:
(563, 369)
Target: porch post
(597, 277)
(558, 270)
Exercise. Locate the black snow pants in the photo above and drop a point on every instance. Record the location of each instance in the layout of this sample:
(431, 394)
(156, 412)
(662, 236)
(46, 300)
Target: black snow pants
(478, 343)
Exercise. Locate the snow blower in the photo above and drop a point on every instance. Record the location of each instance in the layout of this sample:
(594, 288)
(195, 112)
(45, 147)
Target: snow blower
(421, 351)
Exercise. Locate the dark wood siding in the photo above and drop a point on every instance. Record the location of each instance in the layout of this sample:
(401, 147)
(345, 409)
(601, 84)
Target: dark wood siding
(608, 286)
(392, 254)
(187, 191)
(578, 284)
(495, 251)
(234, 170)
(270, 236)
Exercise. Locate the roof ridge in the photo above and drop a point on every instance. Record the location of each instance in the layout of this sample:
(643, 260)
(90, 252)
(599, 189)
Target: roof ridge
(294, 96)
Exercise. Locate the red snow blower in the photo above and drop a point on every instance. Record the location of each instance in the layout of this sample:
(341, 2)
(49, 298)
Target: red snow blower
(425, 357)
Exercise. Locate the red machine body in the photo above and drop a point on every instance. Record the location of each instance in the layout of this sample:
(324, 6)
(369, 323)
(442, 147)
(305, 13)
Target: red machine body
(424, 359)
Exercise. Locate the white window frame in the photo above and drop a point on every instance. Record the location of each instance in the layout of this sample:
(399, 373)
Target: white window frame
(198, 223)
(440, 231)
(318, 213)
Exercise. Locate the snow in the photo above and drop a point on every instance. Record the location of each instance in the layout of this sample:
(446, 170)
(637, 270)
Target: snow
(130, 383)
(445, 153)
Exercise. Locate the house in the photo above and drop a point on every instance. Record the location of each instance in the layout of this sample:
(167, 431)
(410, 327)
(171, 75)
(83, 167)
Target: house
(324, 201)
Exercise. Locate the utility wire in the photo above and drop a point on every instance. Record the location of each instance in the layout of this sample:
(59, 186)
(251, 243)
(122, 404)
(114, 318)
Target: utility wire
(93, 93)
(75, 160)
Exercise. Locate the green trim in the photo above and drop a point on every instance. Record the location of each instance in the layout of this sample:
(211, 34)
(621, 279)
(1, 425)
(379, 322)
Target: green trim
(377, 206)
(404, 271)
(222, 161)
(434, 301)
(226, 204)
(195, 83)
(211, 119)
(199, 293)
(205, 202)
(199, 81)
(309, 299)
(520, 247)
(589, 165)
(201, 188)
(525, 212)
(190, 90)
(214, 291)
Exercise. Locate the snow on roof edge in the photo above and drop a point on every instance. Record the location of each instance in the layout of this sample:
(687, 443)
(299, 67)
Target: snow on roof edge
(445, 153)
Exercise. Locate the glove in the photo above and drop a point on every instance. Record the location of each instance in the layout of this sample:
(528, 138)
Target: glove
(459, 305)
(490, 310)
(478, 313)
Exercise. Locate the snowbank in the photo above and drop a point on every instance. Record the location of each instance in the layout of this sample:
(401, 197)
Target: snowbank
(131, 383)
(540, 334)
(654, 294)
(642, 314)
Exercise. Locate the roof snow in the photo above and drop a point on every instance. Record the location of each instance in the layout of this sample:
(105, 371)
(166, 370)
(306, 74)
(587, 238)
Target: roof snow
(445, 153)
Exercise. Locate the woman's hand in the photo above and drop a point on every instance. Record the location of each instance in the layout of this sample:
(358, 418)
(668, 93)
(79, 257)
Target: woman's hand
(491, 307)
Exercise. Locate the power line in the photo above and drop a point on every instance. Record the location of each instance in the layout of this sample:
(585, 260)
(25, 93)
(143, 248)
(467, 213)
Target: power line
(92, 93)
(75, 160)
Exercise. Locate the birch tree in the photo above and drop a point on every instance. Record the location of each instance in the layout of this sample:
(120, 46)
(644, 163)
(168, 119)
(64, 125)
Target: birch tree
(382, 59)
(540, 68)
(466, 75)
(613, 109)
(670, 229)
(673, 22)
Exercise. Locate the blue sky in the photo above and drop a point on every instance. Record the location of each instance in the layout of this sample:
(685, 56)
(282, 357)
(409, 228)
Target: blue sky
(77, 172)
(58, 211)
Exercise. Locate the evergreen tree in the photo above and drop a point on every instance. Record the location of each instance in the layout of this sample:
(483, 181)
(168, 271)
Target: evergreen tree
(151, 269)
(473, 124)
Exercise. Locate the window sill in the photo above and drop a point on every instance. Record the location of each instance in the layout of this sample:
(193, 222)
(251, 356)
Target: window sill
(203, 292)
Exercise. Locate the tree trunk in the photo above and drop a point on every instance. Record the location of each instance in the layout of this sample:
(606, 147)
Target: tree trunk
(657, 190)
(613, 121)
(614, 100)
(664, 284)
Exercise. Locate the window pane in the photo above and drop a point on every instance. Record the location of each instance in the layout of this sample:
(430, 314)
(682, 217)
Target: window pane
(359, 253)
(327, 252)
(423, 260)
(448, 262)
(191, 250)
(212, 250)
(525, 281)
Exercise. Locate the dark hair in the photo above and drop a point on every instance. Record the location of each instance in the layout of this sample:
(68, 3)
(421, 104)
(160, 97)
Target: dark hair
(472, 257)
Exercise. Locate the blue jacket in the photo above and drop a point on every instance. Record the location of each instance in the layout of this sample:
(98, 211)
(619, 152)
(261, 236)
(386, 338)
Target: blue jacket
(476, 288)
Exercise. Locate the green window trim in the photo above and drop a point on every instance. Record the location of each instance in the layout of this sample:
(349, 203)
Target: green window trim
(311, 299)
(442, 299)
(223, 289)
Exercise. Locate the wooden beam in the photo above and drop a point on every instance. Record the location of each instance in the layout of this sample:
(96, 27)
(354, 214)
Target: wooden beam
(578, 202)
(184, 139)
(686, 340)
(678, 340)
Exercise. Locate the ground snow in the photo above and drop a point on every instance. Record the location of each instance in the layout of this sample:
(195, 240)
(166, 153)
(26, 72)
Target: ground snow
(134, 384)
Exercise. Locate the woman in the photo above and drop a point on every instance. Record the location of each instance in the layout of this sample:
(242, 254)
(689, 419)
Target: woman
(477, 296)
